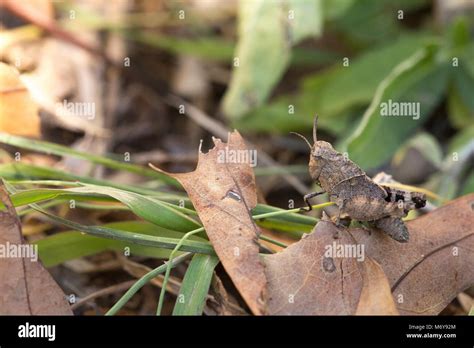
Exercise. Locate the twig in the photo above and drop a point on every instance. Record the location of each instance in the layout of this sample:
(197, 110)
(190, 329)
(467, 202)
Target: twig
(30, 15)
(103, 292)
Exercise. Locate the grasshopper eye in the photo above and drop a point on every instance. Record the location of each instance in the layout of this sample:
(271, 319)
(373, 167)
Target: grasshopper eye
(316, 153)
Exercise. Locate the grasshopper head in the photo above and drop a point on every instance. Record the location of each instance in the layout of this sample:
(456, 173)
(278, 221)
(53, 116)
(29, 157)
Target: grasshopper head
(321, 152)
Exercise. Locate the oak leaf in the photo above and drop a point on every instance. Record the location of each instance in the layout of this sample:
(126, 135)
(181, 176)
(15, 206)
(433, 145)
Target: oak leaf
(428, 272)
(420, 277)
(223, 192)
(311, 277)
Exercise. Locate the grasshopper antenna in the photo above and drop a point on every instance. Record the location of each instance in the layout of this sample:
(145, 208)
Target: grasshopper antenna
(302, 137)
(315, 127)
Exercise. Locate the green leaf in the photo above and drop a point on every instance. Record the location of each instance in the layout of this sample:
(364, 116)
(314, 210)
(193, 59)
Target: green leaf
(335, 8)
(419, 79)
(457, 36)
(460, 151)
(266, 33)
(26, 197)
(462, 140)
(211, 48)
(218, 49)
(468, 186)
(64, 246)
(354, 85)
(193, 293)
(148, 208)
(467, 58)
(333, 93)
(304, 18)
(367, 21)
(151, 209)
(460, 100)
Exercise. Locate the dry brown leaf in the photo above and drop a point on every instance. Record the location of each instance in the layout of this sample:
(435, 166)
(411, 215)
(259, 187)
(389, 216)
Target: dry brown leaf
(18, 112)
(220, 302)
(376, 297)
(223, 194)
(428, 272)
(424, 275)
(26, 288)
(304, 280)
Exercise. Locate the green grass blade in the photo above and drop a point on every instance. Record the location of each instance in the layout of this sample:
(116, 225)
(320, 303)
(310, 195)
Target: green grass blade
(289, 217)
(193, 293)
(151, 209)
(60, 150)
(291, 229)
(142, 281)
(69, 245)
(134, 238)
(168, 269)
(17, 171)
(26, 197)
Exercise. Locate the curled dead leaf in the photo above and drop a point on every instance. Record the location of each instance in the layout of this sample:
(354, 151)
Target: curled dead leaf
(223, 192)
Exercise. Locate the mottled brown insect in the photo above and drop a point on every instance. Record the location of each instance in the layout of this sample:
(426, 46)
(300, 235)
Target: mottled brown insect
(356, 194)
